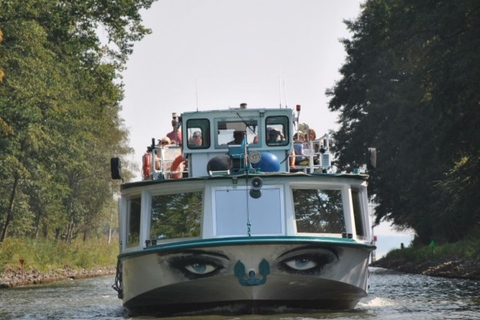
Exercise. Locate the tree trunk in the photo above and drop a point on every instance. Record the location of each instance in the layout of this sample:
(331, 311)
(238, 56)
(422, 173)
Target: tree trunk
(10, 209)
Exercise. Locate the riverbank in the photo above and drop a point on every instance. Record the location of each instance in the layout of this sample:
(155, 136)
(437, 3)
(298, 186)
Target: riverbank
(39, 261)
(448, 267)
(15, 277)
(459, 260)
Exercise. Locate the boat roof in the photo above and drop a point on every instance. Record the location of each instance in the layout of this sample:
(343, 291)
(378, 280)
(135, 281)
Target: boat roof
(296, 175)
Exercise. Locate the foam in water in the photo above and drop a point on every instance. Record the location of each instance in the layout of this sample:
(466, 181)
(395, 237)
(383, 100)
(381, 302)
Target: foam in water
(376, 302)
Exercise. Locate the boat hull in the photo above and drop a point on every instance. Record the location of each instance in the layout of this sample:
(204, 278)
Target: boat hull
(245, 278)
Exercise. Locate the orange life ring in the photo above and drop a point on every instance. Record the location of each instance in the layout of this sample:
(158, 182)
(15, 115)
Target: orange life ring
(175, 164)
(147, 165)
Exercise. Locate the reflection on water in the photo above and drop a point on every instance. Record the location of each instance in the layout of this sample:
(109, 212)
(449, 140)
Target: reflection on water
(392, 296)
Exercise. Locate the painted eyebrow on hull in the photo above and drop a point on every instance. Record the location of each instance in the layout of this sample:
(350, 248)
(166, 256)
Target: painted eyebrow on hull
(310, 248)
(202, 253)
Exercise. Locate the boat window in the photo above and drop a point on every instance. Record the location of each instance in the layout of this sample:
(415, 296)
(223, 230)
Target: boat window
(198, 133)
(357, 213)
(233, 132)
(238, 214)
(176, 215)
(277, 131)
(319, 211)
(134, 209)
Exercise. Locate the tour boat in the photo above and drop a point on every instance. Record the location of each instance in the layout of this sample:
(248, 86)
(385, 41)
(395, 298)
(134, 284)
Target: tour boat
(227, 223)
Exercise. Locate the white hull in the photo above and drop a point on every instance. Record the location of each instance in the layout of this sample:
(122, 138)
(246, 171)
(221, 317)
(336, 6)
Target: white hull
(313, 276)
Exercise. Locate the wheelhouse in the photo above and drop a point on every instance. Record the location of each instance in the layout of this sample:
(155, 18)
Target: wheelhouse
(322, 206)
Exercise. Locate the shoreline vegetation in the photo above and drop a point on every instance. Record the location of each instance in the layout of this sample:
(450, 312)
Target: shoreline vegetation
(49, 261)
(459, 260)
(98, 258)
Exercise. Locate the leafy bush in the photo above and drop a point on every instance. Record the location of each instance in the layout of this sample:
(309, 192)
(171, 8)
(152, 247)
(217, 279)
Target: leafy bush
(46, 255)
(460, 249)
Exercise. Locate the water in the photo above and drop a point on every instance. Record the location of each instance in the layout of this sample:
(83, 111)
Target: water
(392, 296)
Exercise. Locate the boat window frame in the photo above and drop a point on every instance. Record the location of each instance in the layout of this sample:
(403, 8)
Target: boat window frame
(312, 186)
(197, 124)
(272, 124)
(232, 120)
(128, 244)
(362, 206)
(280, 188)
(149, 217)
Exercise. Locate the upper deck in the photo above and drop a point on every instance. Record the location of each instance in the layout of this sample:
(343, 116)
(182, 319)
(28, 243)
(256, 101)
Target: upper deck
(233, 141)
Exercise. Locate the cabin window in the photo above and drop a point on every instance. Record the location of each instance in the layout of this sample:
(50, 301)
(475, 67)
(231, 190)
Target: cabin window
(319, 211)
(277, 132)
(233, 132)
(133, 228)
(176, 215)
(238, 214)
(198, 133)
(357, 213)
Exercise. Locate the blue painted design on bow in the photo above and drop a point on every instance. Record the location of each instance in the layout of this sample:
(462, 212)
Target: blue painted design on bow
(250, 279)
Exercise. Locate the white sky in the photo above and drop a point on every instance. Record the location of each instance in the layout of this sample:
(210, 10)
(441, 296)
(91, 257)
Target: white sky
(262, 52)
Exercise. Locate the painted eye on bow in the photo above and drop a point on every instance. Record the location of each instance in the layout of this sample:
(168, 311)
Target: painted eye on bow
(301, 264)
(196, 267)
(200, 268)
(308, 263)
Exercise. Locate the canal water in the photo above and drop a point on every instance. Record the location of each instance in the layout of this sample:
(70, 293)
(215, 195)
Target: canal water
(392, 295)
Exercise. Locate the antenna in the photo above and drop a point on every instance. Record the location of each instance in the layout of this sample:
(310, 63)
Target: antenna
(280, 91)
(196, 93)
(285, 92)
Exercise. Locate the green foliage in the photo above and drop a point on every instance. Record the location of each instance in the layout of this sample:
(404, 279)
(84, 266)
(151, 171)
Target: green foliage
(60, 100)
(319, 211)
(469, 250)
(410, 89)
(46, 255)
(176, 215)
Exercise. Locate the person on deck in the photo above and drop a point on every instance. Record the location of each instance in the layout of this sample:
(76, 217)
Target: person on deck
(300, 158)
(175, 135)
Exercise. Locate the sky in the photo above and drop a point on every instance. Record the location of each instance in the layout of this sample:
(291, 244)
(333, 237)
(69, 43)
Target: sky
(215, 54)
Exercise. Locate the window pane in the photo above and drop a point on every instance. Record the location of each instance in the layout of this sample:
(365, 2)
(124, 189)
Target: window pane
(319, 211)
(277, 131)
(134, 209)
(232, 216)
(176, 215)
(357, 213)
(233, 132)
(198, 134)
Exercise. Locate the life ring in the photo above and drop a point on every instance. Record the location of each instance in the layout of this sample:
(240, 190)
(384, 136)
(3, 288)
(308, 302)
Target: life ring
(146, 165)
(175, 164)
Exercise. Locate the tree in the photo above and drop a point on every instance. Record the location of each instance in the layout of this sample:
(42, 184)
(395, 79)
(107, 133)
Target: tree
(59, 111)
(409, 88)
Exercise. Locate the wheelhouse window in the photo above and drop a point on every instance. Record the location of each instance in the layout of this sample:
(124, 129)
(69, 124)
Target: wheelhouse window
(238, 214)
(357, 214)
(277, 131)
(133, 227)
(176, 215)
(198, 134)
(318, 211)
(233, 132)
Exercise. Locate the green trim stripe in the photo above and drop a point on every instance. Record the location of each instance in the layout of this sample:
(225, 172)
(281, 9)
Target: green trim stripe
(197, 243)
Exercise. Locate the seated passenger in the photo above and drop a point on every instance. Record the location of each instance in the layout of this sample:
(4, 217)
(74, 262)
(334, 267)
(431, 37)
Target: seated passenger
(300, 158)
(195, 140)
(158, 154)
(274, 136)
(237, 137)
